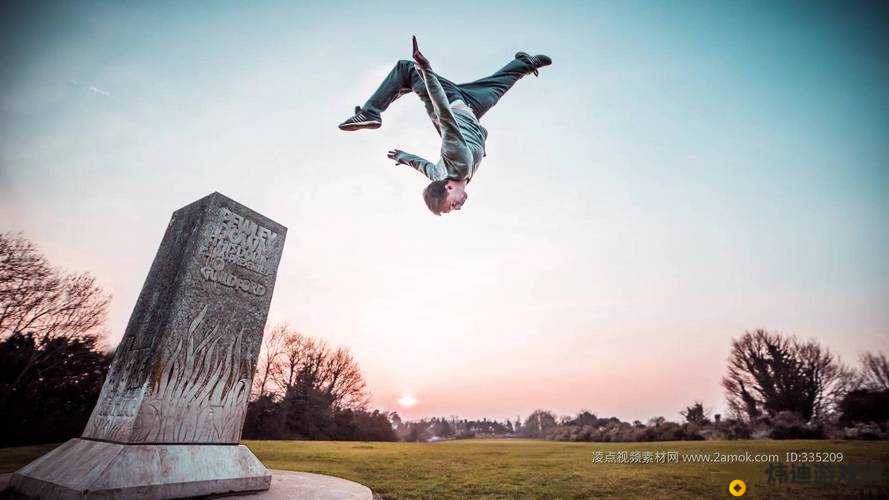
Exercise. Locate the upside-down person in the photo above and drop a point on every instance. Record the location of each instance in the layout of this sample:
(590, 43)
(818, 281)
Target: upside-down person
(455, 111)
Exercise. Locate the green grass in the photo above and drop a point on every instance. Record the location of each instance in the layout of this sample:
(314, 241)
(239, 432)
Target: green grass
(520, 468)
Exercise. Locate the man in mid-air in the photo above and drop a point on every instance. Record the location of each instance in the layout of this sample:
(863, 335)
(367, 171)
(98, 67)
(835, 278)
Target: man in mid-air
(455, 111)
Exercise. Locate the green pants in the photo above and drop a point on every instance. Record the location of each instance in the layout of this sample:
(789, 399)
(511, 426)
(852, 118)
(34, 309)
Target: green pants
(481, 95)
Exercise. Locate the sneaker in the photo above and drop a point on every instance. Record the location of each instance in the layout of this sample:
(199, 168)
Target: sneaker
(361, 119)
(537, 61)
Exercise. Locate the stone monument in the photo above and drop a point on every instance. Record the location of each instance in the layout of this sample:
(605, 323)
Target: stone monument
(168, 421)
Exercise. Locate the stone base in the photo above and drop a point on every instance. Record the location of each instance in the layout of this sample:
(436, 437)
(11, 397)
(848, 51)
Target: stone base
(286, 485)
(82, 468)
(291, 485)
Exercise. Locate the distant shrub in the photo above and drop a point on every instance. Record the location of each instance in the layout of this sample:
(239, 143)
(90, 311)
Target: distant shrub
(865, 406)
(788, 425)
(671, 431)
(623, 432)
(559, 433)
(784, 425)
(735, 429)
(866, 431)
(760, 427)
(586, 433)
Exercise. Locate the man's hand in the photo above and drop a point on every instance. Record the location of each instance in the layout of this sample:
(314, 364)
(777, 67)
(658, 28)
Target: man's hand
(398, 156)
(419, 58)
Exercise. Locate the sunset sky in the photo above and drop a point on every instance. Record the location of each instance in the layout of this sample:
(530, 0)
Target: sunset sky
(683, 172)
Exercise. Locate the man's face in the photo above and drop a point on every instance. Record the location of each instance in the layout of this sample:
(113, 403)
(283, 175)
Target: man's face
(455, 200)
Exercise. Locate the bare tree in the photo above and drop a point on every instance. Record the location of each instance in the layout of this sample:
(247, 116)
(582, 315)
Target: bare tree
(44, 302)
(297, 352)
(769, 373)
(341, 380)
(875, 372)
(271, 350)
(334, 374)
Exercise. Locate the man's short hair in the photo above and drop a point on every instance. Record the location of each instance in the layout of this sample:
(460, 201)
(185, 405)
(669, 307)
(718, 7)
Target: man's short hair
(435, 194)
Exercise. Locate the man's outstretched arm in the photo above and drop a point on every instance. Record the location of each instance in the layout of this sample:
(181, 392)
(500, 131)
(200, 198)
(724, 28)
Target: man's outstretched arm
(453, 145)
(425, 167)
(436, 93)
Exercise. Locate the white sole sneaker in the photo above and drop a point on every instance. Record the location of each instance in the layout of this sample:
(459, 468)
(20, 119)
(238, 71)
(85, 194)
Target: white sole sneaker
(359, 125)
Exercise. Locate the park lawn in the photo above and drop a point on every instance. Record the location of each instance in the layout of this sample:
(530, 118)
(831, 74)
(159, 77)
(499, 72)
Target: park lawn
(523, 468)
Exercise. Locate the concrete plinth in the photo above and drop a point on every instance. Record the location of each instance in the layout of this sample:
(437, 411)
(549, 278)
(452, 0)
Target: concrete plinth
(291, 485)
(286, 485)
(168, 420)
(83, 468)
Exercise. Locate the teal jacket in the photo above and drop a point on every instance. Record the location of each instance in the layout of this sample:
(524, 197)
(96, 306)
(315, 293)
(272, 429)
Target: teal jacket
(462, 136)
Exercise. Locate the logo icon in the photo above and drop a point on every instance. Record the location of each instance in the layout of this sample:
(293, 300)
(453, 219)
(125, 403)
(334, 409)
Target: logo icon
(737, 488)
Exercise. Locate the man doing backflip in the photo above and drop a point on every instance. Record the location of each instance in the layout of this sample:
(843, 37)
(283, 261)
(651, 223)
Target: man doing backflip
(455, 111)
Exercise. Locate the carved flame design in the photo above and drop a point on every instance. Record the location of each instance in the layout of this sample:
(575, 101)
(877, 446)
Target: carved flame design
(200, 387)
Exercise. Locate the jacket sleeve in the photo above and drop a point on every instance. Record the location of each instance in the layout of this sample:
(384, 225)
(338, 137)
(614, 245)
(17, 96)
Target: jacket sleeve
(439, 102)
(421, 165)
(453, 145)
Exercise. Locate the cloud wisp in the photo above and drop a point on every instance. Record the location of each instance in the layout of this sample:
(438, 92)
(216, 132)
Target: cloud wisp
(74, 82)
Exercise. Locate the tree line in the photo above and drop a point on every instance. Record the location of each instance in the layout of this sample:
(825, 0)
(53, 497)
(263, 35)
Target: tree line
(53, 365)
(776, 386)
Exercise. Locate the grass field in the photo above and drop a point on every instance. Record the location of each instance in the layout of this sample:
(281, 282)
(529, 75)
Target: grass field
(520, 468)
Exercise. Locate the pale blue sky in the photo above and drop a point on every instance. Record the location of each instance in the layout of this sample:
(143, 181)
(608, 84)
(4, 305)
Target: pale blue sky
(683, 172)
